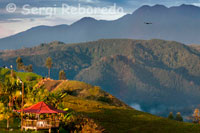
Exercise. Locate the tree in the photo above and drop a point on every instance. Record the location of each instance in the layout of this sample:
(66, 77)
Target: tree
(5, 113)
(9, 89)
(49, 64)
(20, 64)
(179, 117)
(29, 68)
(62, 75)
(55, 99)
(196, 116)
(9, 93)
(171, 116)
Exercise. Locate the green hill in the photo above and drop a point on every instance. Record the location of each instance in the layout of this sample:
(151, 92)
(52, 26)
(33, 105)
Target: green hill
(24, 76)
(107, 111)
(158, 75)
(112, 114)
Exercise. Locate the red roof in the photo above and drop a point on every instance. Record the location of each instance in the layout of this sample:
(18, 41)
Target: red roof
(41, 108)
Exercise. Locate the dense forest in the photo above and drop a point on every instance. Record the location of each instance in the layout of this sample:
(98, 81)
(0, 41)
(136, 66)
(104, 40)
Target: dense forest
(157, 75)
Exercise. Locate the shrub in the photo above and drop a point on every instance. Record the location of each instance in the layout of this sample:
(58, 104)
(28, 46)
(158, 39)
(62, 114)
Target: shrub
(104, 99)
(78, 123)
(179, 117)
(171, 117)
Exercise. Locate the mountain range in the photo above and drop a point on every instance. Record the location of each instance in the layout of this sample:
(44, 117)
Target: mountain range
(179, 23)
(155, 75)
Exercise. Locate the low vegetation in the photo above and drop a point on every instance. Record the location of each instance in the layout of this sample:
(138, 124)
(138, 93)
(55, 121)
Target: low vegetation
(90, 109)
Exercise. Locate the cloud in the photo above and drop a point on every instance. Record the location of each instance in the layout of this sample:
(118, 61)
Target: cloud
(16, 22)
(5, 31)
(89, 1)
(136, 106)
(196, 4)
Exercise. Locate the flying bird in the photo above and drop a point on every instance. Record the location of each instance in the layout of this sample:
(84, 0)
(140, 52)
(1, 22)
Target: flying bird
(148, 23)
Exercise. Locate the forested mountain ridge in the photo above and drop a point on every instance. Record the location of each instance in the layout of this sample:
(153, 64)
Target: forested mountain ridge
(155, 74)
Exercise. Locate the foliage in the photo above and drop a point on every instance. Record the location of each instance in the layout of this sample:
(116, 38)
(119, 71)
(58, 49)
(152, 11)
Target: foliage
(104, 99)
(79, 123)
(196, 116)
(9, 93)
(171, 116)
(28, 68)
(62, 75)
(87, 91)
(20, 64)
(179, 117)
(55, 99)
(48, 64)
(2, 109)
(11, 88)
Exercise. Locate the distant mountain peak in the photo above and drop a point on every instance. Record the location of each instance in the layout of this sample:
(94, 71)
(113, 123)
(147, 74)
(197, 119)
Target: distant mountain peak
(85, 20)
(189, 6)
(159, 6)
(156, 8)
(145, 6)
(39, 27)
(88, 19)
(185, 5)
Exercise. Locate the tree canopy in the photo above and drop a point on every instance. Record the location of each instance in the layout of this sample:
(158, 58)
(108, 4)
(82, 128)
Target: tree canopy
(62, 75)
(49, 64)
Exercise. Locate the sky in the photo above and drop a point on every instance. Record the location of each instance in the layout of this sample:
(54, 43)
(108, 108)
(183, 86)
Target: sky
(19, 15)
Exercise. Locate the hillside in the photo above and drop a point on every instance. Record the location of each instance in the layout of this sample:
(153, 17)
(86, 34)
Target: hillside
(80, 90)
(195, 46)
(179, 23)
(157, 75)
(30, 78)
(112, 114)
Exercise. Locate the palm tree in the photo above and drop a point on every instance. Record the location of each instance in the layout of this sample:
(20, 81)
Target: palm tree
(36, 95)
(49, 64)
(9, 94)
(55, 99)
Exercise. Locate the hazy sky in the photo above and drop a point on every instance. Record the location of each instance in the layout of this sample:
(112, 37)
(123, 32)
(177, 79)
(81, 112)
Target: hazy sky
(20, 15)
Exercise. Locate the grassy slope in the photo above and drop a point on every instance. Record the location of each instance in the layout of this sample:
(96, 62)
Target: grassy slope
(27, 77)
(111, 113)
(129, 120)
(115, 118)
(4, 72)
